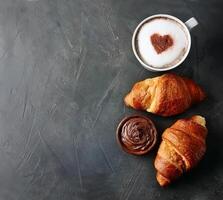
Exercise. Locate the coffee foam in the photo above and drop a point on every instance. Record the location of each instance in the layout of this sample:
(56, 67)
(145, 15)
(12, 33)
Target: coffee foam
(162, 26)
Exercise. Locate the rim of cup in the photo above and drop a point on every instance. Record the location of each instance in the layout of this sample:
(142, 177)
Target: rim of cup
(134, 37)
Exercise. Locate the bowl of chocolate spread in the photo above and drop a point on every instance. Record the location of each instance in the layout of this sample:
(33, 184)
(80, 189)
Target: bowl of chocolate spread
(136, 134)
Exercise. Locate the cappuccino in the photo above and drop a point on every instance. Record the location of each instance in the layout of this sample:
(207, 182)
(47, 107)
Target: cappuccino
(161, 42)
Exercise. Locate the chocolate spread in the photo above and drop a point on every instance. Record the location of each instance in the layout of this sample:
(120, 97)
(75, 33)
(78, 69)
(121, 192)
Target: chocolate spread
(137, 134)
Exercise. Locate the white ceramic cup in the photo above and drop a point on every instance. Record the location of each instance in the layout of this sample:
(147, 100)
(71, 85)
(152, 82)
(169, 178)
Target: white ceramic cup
(188, 25)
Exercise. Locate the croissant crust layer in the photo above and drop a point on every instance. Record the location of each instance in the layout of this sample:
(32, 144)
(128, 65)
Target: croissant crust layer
(165, 95)
(183, 146)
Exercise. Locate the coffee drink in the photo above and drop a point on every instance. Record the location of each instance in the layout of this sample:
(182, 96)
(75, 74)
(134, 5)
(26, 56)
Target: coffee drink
(161, 42)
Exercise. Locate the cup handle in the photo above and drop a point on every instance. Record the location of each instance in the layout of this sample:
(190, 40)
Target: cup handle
(191, 23)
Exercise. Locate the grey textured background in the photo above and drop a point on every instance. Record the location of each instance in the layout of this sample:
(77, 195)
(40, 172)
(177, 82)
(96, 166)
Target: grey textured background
(65, 66)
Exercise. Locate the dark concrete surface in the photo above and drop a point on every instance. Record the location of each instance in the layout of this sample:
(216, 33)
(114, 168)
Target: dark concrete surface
(65, 66)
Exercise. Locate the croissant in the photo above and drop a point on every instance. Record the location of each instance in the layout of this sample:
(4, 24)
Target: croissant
(182, 147)
(164, 95)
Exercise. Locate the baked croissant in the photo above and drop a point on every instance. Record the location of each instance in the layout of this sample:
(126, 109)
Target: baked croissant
(164, 95)
(182, 147)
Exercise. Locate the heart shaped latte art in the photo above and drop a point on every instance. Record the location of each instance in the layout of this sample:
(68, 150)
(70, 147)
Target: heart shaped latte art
(161, 42)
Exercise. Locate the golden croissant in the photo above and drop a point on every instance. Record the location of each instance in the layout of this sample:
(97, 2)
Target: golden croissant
(164, 95)
(183, 146)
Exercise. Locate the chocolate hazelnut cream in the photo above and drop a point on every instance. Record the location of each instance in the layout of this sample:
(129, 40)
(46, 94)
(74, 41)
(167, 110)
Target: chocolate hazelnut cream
(136, 134)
